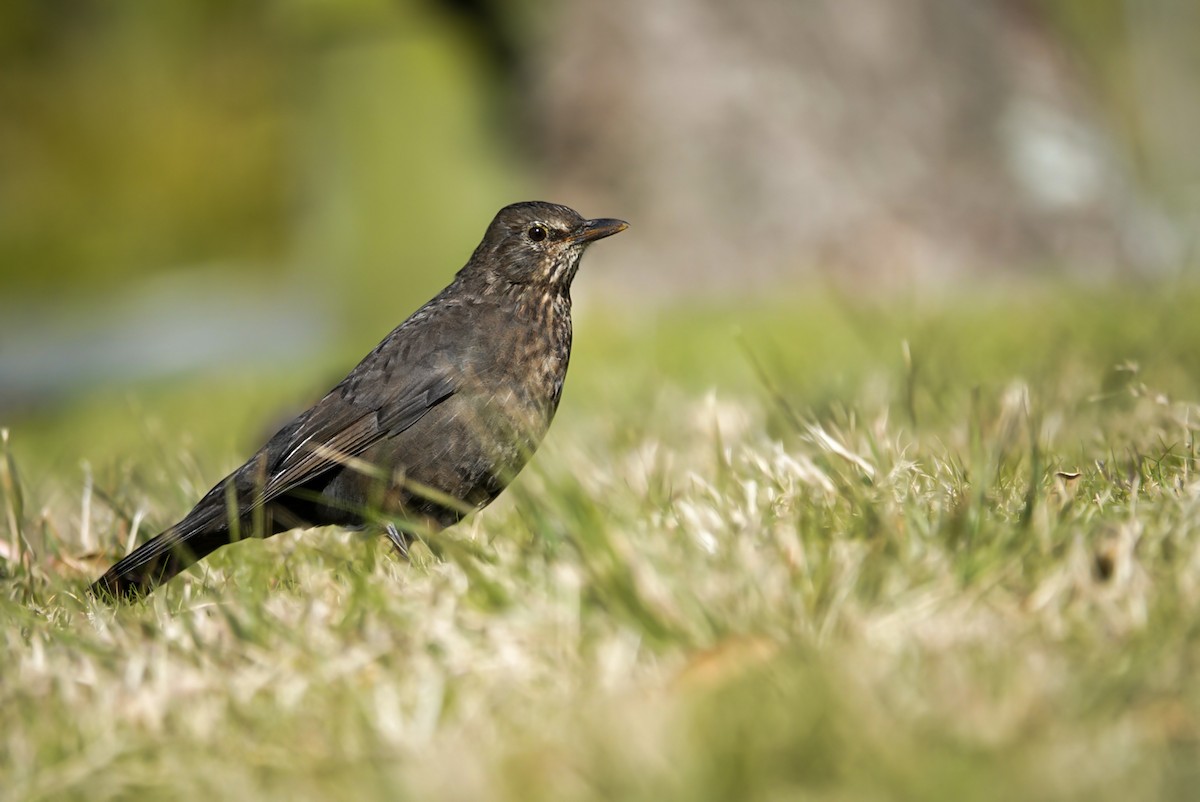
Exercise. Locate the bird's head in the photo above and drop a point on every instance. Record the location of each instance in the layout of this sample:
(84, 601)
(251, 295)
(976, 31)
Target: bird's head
(537, 244)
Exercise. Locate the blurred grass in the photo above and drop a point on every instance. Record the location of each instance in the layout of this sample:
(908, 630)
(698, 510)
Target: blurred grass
(968, 573)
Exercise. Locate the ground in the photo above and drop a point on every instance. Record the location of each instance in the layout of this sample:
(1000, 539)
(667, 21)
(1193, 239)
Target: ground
(820, 548)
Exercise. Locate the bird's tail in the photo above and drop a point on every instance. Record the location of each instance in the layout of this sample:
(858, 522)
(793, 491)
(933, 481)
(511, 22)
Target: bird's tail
(162, 557)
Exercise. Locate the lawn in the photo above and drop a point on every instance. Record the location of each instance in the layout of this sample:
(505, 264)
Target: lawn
(818, 548)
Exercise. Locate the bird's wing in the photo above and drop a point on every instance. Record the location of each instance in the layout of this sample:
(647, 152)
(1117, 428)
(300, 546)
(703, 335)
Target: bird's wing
(342, 426)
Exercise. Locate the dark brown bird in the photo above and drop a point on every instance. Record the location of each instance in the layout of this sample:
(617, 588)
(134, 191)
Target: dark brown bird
(432, 424)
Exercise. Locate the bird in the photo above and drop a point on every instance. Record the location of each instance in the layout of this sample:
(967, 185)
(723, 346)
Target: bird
(431, 425)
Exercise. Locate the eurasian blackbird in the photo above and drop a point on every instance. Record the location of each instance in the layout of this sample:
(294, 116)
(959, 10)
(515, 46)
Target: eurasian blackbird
(432, 424)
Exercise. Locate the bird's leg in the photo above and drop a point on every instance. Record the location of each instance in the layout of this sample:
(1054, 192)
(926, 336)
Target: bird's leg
(399, 539)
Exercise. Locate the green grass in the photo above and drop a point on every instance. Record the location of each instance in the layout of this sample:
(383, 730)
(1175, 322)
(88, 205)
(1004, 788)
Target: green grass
(805, 550)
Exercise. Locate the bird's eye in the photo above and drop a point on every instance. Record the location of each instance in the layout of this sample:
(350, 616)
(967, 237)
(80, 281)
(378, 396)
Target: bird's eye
(536, 232)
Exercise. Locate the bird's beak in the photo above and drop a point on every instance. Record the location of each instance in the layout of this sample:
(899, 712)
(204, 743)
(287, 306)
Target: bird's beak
(591, 230)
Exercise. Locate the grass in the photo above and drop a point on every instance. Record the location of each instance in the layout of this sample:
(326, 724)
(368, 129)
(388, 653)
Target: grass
(798, 550)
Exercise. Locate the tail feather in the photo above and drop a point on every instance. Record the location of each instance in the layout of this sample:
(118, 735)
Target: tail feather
(161, 558)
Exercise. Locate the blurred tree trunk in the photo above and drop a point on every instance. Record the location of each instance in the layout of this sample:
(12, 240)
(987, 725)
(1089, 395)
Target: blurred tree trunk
(873, 140)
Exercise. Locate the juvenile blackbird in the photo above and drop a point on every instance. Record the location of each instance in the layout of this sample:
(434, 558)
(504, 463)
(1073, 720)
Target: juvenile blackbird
(432, 424)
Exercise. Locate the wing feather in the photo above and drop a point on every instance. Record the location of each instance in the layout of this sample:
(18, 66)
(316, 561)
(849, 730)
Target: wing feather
(327, 441)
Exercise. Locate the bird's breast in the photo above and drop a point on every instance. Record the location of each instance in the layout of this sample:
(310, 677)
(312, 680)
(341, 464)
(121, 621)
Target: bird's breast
(529, 360)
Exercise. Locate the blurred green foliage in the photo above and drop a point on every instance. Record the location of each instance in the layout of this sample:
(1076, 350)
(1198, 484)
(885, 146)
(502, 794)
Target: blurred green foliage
(146, 137)
(137, 136)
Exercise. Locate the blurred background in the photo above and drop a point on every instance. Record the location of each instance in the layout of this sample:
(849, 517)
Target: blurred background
(229, 194)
